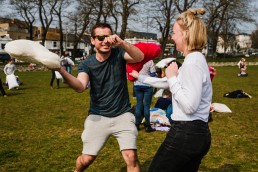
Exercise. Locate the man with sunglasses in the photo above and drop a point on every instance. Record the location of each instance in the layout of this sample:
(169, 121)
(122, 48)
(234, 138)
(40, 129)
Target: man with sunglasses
(109, 112)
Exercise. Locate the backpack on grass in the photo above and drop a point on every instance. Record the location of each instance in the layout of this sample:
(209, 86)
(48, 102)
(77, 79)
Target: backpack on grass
(237, 94)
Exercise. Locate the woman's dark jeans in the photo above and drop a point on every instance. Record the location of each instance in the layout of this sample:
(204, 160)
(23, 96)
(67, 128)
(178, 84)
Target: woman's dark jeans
(143, 102)
(183, 148)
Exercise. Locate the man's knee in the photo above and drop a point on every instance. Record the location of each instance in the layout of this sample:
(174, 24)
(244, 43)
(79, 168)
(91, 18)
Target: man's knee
(87, 159)
(130, 157)
(83, 162)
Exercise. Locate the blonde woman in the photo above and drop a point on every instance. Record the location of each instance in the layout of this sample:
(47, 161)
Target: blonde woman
(189, 138)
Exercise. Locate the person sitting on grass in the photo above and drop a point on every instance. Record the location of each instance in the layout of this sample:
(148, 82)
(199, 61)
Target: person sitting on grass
(242, 66)
(165, 103)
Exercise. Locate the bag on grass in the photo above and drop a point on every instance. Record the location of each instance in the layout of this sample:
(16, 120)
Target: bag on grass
(237, 94)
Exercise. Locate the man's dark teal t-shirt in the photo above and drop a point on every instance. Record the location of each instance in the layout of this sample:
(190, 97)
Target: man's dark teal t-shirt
(108, 84)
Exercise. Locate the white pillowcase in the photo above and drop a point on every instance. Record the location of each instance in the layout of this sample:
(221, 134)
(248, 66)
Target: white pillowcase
(12, 81)
(219, 107)
(32, 52)
(58, 75)
(159, 93)
(162, 63)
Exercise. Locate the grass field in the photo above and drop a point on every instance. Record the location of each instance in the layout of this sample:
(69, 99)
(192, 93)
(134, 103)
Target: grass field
(40, 128)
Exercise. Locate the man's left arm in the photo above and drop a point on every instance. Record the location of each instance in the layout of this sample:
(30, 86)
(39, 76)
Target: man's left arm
(132, 53)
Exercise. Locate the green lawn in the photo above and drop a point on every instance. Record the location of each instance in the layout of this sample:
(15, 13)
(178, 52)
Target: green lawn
(40, 128)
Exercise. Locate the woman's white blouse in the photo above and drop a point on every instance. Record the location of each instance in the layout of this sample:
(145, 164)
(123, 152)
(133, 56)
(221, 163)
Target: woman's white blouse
(191, 89)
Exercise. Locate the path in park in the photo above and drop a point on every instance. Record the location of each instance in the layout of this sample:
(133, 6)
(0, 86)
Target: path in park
(42, 68)
(230, 63)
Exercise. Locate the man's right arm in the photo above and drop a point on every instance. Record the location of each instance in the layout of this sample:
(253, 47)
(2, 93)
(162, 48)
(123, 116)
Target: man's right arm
(79, 84)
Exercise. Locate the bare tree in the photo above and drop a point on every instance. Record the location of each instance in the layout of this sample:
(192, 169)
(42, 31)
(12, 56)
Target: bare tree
(183, 5)
(127, 10)
(254, 38)
(113, 5)
(222, 17)
(163, 12)
(58, 11)
(46, 11)
(227, 35)
(27, 10)
(81, 20)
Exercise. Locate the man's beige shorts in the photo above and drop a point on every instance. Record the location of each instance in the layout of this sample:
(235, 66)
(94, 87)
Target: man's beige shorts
(97, 130)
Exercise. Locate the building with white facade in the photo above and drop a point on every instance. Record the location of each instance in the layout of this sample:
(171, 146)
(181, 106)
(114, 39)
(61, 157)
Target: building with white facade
(241, 41)
(244, 40)
(136, 40)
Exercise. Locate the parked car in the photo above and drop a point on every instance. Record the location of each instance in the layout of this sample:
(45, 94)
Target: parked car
(255, 52)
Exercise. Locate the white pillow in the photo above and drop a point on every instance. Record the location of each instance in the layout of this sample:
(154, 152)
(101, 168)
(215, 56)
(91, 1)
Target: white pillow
(159, 93)
(58, 75)
(12, 81)
(162, 63)
(32, 52)
(219, 107)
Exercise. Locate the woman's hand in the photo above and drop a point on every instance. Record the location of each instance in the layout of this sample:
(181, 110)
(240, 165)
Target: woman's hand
(134, 74)
(172, 70)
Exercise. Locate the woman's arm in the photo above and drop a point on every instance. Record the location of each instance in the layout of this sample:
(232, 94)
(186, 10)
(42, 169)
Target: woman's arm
(5, 69)
(188, 91)
(152, 81)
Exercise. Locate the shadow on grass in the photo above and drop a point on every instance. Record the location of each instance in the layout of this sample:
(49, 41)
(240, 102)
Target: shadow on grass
(65, 87)
(19, 88)
(9, 94)
(6, 155)
(144, 166)
(224, 168)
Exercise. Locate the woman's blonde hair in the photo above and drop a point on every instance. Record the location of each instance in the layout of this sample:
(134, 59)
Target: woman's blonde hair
(191, 22)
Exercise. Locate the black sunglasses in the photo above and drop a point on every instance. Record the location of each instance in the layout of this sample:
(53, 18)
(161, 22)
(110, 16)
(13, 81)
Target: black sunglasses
(100, 37)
